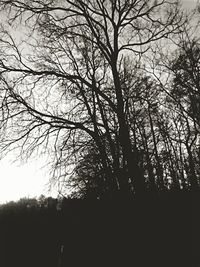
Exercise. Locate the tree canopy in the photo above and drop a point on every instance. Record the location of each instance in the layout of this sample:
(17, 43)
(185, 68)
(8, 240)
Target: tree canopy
(93, 84)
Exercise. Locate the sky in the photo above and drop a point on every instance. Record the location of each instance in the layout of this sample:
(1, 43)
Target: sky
(31, 179)
(189, 3)
(19, 180)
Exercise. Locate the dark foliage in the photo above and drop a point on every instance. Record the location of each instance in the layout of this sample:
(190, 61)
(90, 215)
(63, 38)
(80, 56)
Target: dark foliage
(152, 232)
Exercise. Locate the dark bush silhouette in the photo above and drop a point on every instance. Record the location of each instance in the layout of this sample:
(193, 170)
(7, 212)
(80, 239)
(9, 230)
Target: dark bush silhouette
(154, 232)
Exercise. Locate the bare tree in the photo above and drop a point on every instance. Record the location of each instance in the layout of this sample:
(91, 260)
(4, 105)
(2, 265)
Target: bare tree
(63, 84)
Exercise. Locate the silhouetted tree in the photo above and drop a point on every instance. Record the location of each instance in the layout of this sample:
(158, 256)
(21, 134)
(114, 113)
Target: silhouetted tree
(186, 89)
(68, 83)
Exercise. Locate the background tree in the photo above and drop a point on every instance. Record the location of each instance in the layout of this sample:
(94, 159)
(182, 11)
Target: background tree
(178, 75)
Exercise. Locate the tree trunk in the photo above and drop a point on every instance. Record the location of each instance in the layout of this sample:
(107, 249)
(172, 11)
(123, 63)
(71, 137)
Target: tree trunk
(132, 171)
(158, 165)
(192, 173)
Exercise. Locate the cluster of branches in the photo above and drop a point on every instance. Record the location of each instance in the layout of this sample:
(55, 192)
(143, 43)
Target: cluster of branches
(90, 83)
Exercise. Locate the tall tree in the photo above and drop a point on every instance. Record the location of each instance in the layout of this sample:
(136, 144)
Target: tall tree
(63, 84)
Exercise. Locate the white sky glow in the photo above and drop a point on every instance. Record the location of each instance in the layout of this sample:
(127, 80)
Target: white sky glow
(22, 180)
(189, 3)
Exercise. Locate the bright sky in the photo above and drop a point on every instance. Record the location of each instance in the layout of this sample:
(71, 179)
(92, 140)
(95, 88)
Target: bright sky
(189, 3)
(30, 179)
(27, 180)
